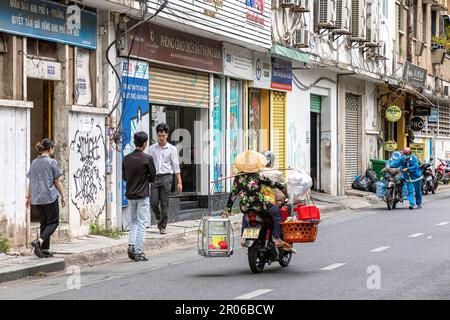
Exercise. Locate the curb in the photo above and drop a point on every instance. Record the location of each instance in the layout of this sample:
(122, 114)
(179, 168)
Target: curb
(46, 266)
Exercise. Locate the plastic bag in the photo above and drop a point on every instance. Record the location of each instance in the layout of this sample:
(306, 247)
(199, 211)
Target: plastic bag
(299, 182)
(373, 187)
(380, 189)
(362, 183)
(371, 175)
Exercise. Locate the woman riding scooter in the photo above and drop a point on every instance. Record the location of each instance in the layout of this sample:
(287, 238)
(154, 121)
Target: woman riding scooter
(247, 185)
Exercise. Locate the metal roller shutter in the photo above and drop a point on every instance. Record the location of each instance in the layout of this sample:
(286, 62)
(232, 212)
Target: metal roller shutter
(315, 103)
(352, 139)
(278, 125)
(175, 87)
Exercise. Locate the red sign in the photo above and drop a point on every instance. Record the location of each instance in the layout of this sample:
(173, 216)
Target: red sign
(161, 44)
(256, 13)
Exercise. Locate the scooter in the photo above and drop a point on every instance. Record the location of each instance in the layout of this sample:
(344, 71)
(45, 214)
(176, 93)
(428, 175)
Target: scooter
(443, 171)
(259, 241)
(394, 183)
(429, 183)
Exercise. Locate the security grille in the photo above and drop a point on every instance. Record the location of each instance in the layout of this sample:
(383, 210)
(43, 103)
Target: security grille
(352, 138)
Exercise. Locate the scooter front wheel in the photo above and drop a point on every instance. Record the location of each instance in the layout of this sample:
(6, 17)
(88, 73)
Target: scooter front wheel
(254, 259)
(285, 259)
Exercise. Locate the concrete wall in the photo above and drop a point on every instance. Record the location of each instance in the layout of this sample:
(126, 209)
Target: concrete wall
(298, 131)
(86, 176)
(14, 139)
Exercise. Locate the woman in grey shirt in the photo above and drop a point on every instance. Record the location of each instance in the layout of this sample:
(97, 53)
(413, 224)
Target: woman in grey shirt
(43, 192)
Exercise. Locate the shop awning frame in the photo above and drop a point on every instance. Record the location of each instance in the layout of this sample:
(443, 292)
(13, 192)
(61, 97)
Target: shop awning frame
(290, 53)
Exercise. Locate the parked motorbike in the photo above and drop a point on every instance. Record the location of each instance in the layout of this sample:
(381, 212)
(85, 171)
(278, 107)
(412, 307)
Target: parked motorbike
(443, 171)
(260, 244)
(394, 183)
(429, 183)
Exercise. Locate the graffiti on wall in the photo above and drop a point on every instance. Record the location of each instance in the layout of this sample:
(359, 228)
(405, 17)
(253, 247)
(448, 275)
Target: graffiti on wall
(87, 184)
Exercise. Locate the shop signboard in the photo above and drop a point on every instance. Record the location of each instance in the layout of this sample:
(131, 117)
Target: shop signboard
(161, 44)
(237, 62)
(390, 146)
(414, 75)
(135, 107)
(281, 74)
(418, 149)
(263, 71)
(417, 123)
(49, 21)
(434, 116)
(393, 113)
(419, 110)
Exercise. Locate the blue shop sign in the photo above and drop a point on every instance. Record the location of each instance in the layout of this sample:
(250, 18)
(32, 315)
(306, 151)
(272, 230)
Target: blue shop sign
(434, 116)
(281, 74)
(49, 21)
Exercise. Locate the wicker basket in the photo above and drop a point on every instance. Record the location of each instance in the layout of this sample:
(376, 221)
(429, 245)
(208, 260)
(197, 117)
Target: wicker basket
(299, 231)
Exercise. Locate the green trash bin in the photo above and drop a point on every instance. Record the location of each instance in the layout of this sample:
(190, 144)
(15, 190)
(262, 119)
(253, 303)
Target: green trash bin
(377, 166)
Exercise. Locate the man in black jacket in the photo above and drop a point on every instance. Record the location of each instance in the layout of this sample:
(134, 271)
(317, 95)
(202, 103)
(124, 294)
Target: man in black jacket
(138, 170)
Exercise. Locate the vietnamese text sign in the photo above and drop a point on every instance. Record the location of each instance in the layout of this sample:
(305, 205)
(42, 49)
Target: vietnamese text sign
(263, 71)
(434, 116)
(393, 114)
(162, 44)
(417, 123)
(414, 74)
(135, 107)
(418, 149)
(237, 62)
(49, 21)
(43, 69)
(281, 74)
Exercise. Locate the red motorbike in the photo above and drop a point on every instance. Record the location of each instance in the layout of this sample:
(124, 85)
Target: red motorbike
(443, 171)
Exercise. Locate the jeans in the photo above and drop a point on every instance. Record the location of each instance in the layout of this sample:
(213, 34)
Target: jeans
(160, 195)
(139, 221)
(274, 212)
(415, 188)
(49, 218)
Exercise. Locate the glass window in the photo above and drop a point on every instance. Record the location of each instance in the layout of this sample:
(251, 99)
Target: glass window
(218, 118)
(254, 118)
(424, 23)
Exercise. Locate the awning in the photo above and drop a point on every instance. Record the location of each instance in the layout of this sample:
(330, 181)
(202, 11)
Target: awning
(290, 53)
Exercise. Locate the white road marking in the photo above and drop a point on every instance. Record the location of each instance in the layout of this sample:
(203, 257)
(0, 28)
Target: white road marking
(442, 223)
(333, 266)
(379, 249)
(254, 294)
(415, 235)
(430, 237)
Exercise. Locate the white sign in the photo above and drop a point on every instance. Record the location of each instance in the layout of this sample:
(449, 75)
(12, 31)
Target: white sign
(42, 69)
(135, 69)
(263, 71)
(82, 78)
(237, 62)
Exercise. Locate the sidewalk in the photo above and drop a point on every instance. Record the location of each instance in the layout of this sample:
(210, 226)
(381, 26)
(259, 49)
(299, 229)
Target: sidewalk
(92, 250)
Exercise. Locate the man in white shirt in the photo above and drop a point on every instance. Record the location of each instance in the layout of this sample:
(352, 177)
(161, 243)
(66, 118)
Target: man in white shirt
(165, 157)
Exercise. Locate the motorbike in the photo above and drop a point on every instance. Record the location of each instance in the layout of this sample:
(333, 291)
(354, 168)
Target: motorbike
(429, 182)
(443, 171)
(394, 183)
(259, 241)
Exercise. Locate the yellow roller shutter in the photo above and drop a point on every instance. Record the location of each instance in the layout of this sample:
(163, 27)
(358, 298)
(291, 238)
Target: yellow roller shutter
(176, 87)
(278, 128)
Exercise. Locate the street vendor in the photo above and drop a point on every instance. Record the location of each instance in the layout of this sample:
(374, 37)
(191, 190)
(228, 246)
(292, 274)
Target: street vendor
(247, 185)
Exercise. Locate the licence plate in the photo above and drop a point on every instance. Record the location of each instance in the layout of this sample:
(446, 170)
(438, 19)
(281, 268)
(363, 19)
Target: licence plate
(429, 178)
(251, 233)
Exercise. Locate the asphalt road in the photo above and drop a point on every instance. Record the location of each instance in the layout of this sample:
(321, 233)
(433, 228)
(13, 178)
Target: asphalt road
(367, 254)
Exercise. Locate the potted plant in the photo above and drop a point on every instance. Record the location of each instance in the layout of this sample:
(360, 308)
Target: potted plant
(434, 42)
(442, 41)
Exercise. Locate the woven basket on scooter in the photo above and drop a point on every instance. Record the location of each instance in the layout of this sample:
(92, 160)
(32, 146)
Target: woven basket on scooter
(299, 231)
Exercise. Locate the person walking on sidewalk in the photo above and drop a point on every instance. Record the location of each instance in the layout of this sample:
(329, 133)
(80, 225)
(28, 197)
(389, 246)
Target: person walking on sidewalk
(165, 156)
(43, 192)
(138, 170)
(413, 177)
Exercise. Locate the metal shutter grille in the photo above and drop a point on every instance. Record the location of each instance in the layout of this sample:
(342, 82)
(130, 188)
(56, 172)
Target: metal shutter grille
(315, 103)
(278, 125)
(352, 139)
(174, 87)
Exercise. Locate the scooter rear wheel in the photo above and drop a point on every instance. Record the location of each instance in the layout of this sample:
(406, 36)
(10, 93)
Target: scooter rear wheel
(254, 261)
(285, 259)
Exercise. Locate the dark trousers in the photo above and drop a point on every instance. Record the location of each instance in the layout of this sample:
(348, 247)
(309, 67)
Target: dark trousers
(49, 217)
(274, 212)
(160, 196)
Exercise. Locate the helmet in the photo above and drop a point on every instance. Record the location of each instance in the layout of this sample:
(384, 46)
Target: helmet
(407, 151)
(396, 155)
(270, 157)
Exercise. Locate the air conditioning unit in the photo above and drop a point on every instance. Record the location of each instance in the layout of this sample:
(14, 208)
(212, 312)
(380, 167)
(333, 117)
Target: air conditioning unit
(358, 20)
(326, 14)
(343, 16)
(373, 23)
(302, 6)
(275, 4)
(301, 38)
(288, 3)
(380, 50)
